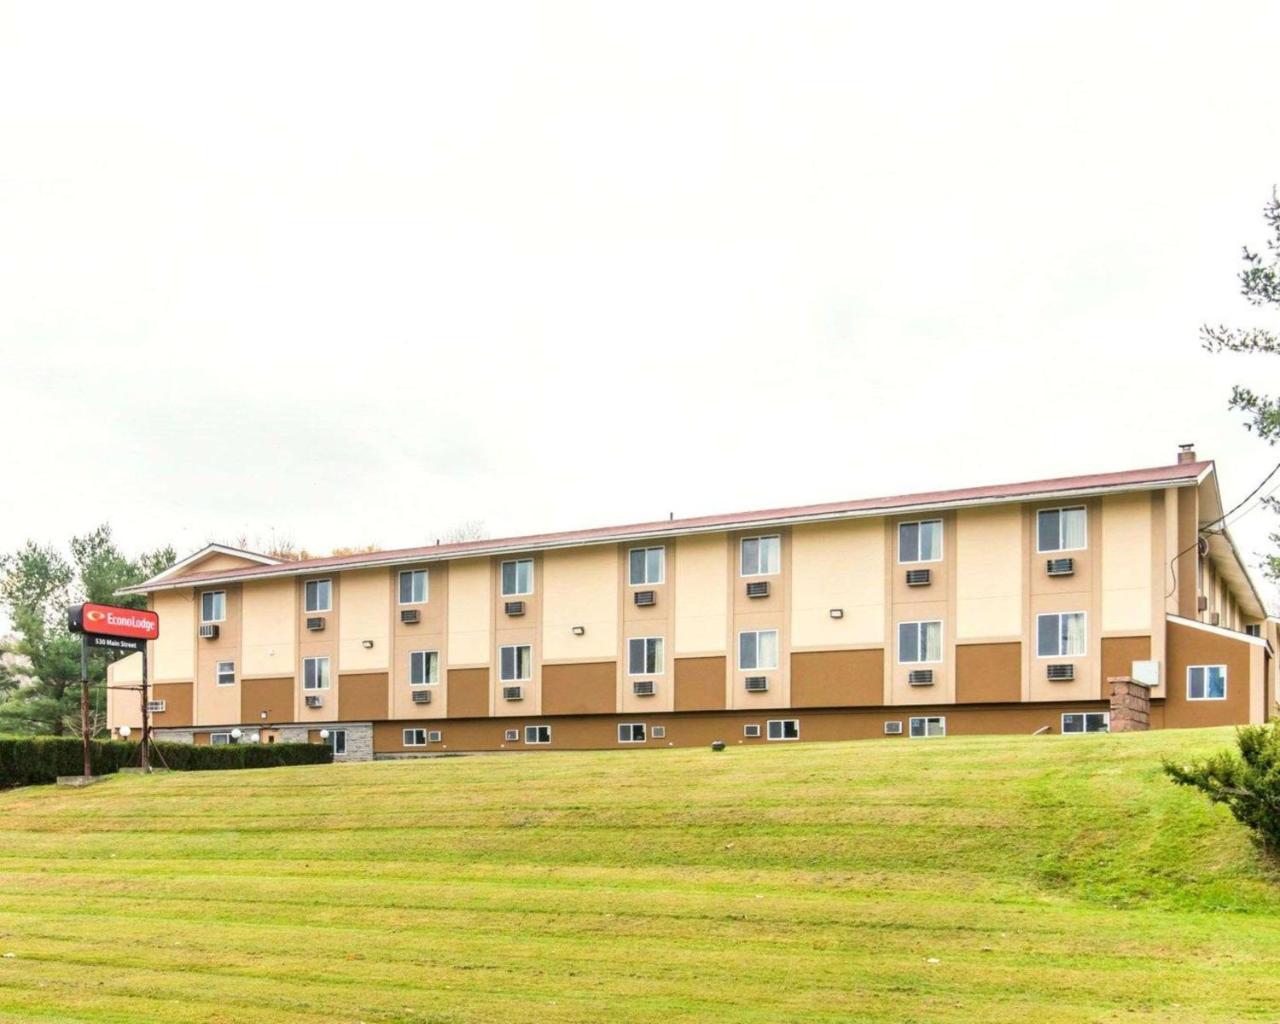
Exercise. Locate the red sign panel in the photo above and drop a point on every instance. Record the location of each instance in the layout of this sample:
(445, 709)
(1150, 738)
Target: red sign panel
(108, 620)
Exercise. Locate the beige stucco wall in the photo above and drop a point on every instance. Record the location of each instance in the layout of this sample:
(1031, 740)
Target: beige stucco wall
(1126, 563)
(124, 707)
(175, 651)
(364, 614)
(837, 565)
(580, 588)
(702, 598)
(469, 600)
(989, 563)
(268, 632)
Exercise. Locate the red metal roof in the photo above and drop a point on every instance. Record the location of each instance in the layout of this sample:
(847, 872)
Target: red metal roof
(1181, 473)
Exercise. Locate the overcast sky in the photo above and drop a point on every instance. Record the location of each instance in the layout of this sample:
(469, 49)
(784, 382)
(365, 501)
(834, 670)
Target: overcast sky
(356, 273)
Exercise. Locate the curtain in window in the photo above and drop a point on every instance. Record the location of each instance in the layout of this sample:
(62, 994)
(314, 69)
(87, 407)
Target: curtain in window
(1073, 520)
(930, 541)
(1073, 634)
(932, 637)
(767, 653)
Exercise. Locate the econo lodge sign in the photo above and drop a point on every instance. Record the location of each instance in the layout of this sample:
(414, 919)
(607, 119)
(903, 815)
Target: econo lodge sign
(107, 620)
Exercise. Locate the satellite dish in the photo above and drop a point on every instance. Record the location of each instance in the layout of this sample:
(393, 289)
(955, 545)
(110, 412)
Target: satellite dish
(1202, 545)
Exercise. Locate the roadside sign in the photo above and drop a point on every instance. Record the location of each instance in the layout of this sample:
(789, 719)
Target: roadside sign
(108, 620)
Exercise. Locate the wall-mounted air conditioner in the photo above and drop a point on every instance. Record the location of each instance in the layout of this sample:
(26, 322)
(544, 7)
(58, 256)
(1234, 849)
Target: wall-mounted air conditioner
(1202, 603)
(920, 677)
(658, 732)
(314, 700)
(155, 707)
(514, 608)
(410, 616)
(1060, 566)
(513, 693)
(422, 696)
(756, 684)
(1214, 618)
(1060, 673)
(315, 623)
(513, 736)
(919, 577)
(435, 736)
(760, 588)
(751, 731)
(893, 728)
(646, 598)
(209, 632)
(643, 688)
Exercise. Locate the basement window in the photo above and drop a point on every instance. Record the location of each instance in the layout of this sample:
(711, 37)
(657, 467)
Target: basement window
(926, 728)
(537, 734)
(631, 732)
(219, 739)
(338, 741)
(1206, 682)
(784, 729)
(1086, 721)
(415, 737)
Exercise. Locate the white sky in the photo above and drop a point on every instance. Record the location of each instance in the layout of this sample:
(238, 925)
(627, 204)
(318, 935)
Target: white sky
(358, 273)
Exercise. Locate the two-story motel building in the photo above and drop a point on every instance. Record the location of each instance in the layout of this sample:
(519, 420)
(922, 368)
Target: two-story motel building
(984, 610)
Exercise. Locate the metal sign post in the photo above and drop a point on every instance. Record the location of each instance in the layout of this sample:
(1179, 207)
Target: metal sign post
(84, 702)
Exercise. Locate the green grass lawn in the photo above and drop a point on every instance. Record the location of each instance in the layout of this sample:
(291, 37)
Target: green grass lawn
(988, 879)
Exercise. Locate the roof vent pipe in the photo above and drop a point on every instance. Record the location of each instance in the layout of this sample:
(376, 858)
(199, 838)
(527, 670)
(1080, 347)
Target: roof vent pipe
(1186, 453)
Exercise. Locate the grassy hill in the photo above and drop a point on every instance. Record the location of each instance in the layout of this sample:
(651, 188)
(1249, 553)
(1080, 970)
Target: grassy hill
(1002, 879)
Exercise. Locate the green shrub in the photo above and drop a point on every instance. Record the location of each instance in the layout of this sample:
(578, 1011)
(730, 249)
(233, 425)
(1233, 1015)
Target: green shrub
(34, 760)
(1248, 782)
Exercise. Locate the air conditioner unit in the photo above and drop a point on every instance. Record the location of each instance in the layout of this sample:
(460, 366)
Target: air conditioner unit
(646, 598)
(758, 589)
(155, 707)
(893, 728)
(751, 731)
(513, 693)
(1214, 618)
(422, 696)
(1202, 603)
(919, 577)
(514, 607)
(513, 736)
(1060, 673)
(435, 736)
(658, 732)
(1060, 566)
(643, 688)
(314, 700)
(315, 623)
(920, 677)
(757, 684)
(410, 615)
(209, 632)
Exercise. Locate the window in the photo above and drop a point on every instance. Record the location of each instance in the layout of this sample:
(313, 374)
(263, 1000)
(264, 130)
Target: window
(338, 741)
(413, 586)
(928, 728)
(631, 732)
(537, 734)
(1061, 635)
(315, 673)
(517, 577)
(761, 556)
(758, 649)
(1086, 721)
(920, 542)
(1253, 628)
(319, 595)
(919, 642)
(644, 656)
(784, 728)
(751, 731)
(512, 735)
(415, 737)
(424, 668)
(213, 606)
(226, 673)
(659, 732)
(219, 739)
(1207, 682)
(647, 566)
(515, 662)
(1061, 529)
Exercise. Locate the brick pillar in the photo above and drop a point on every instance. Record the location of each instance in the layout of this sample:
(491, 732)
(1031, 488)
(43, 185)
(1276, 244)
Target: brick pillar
(1130, 705)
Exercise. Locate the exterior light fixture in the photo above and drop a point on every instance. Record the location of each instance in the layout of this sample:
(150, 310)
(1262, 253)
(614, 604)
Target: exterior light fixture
(235, 735)
(262, 715)
(366, 644)
(837, 613)
(255, 737)
(579, 630)
(324, 734)
(124, 732)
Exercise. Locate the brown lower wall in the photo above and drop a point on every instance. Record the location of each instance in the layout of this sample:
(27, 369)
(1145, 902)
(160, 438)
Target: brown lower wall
(1118, 655)
(988, 673)
(699, 684)
(468, 692)
(1191, 646)
(274, 696)
(364, 696)
(837, 679)
(600, 732)
(177, 704)
(589, 688)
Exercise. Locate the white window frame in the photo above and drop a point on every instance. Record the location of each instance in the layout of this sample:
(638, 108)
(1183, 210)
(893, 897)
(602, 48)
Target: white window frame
(502, 577)
(758, 667)
(1058, 615)
(1084, 722)
(426, 587)
(427, 663)
(631, 727)
(222, 594)
(327, 677)
(660, 658)
(218, 673)
(1062, 547)
(409, 738)
(516, 660)
(942, 641)
(911, 734)
(333, 742)
(662, 567)
(306, 595)
(751, 735)
(533, 730)
(782, 724)
(917, 523)
(742, 553)
(215, 741)
(1204, 669)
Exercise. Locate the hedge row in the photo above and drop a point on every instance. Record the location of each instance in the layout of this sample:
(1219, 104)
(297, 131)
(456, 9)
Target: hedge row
(33, 760)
